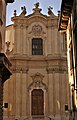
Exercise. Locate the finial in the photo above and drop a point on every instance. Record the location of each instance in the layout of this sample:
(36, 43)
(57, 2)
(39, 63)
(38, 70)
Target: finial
(50, 10)
(23, 10)
(15, 13)
(37, 9)
(36, 5)
(58, 13)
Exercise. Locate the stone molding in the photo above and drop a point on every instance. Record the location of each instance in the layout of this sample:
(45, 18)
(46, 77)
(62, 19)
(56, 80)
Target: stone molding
(56, 69)
(38, 76)
(19, 69)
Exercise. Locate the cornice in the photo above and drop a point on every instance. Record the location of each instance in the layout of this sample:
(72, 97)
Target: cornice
(19, 69)
(56, 57)
(19, 57)
(38, 58)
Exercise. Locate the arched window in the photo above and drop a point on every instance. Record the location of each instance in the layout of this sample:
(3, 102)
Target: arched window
(37, 46)
(37, 102)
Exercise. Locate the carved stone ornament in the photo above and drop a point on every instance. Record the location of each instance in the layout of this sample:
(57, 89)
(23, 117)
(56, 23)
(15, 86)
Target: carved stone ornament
(37, 9)
(8, 45)
(36, 5)
(37, 29)
(50, 11)
(37, 82)
(23, 11)
(56, 70)
(19, 69)
(37, 76)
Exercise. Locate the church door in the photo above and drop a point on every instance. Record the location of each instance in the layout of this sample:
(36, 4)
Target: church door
(37, 102)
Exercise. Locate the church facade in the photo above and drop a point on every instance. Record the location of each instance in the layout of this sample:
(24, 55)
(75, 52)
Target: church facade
(38, 87)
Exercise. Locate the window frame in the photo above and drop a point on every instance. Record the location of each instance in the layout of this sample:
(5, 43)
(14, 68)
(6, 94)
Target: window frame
(38, 48)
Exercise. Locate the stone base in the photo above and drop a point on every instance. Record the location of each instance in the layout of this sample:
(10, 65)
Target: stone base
(57, 117)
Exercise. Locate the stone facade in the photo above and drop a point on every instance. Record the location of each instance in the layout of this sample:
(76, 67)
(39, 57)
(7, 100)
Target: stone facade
(45, 74)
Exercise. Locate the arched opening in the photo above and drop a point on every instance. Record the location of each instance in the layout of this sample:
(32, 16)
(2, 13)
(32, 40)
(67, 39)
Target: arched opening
(37, 102)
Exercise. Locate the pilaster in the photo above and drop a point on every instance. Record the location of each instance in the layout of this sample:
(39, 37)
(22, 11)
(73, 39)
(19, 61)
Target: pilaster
(49, 38)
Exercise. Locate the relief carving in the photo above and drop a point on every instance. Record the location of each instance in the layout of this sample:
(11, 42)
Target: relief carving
(37, 29)
(37, 82)
(56, 69)
(19, 69)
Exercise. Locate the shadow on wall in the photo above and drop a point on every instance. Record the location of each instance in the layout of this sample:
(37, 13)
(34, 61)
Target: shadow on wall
(0, 42)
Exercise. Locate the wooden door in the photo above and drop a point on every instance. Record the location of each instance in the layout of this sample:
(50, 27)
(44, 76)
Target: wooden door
(37, 102)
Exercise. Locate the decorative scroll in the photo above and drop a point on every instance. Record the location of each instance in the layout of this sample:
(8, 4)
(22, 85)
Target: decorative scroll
(37, 82)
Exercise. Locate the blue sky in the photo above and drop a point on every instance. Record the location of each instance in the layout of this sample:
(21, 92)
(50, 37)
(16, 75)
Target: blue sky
(29, 4)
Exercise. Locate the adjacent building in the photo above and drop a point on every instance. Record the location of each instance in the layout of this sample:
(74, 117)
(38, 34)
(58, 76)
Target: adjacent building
(4, 62)
(38, 87)
(68, 25)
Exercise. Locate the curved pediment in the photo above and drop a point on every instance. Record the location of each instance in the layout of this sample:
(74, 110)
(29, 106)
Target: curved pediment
(36, 18)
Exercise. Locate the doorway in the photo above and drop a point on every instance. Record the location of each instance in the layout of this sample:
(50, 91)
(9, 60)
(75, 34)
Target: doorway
(37, 102)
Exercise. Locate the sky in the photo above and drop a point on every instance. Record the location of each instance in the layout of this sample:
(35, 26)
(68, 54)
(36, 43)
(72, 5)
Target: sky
(29, 4)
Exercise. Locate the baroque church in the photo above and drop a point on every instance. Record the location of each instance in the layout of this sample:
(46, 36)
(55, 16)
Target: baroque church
(38, 87)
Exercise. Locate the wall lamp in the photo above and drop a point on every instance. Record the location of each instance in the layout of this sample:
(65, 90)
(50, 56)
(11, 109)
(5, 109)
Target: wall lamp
(4, 106)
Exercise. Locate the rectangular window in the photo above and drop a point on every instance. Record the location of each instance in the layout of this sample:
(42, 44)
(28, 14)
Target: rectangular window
(37, 46)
